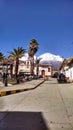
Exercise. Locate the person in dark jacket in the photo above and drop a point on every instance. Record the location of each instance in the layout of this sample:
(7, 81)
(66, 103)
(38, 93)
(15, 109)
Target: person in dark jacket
(3, 77)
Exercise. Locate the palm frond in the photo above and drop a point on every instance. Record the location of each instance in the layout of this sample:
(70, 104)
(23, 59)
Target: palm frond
(33, 47)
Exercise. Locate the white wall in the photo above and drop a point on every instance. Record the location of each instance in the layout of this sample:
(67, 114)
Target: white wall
(46, 71)
(69, 73)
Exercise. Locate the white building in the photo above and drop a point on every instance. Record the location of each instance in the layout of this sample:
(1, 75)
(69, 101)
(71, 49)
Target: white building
(25, 67)
(44, 70)
(67, 68)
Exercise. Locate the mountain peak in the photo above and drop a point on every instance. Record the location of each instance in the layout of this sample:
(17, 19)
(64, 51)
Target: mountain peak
(50, 57)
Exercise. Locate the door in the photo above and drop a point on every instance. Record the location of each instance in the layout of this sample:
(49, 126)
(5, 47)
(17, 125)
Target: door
(43, 72)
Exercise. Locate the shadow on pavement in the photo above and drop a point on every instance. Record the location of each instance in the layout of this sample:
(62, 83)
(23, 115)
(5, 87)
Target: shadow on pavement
(22, 121)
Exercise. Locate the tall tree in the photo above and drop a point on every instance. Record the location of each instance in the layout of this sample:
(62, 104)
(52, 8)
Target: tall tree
(33, 48)
(16, 54)
(37, 61)
(11, 62)
(2, 59)
(1, 56)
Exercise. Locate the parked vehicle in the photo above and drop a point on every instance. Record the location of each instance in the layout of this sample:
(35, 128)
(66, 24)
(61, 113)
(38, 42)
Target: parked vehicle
(55, 75)
(62, 78)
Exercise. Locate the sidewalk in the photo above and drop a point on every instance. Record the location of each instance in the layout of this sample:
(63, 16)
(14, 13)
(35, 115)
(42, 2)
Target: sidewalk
(12, 89)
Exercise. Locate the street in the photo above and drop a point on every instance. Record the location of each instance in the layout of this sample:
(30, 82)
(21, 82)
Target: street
(48, 107)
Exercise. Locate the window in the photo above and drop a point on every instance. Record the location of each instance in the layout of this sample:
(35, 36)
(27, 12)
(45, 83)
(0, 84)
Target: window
(27, 64)
(49, 69)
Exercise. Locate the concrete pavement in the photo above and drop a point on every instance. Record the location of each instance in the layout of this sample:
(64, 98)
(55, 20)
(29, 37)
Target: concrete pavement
(49, 107)
(12, 89)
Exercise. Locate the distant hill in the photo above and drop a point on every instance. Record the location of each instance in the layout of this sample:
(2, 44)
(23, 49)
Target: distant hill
(51, 59)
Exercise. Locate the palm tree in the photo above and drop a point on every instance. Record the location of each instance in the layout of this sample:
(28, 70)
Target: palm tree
(11, 62)
(3, 62)
(33, 47)
(1, 59)
(37, 65)
(1, 56)
(16, 54)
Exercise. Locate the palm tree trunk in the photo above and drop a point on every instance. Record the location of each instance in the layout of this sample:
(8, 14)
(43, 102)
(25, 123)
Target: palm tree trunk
(16, 68)
(32, 65)
(37, 70)
(11, 70)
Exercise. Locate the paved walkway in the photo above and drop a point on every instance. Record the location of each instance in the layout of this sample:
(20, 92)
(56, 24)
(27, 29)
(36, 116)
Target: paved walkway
(50, 107)
(12, 89)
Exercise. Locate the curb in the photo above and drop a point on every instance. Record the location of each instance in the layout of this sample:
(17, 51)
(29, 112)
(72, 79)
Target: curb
(5, 93)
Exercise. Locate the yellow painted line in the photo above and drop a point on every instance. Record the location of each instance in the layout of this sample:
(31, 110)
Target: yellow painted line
(0, 94)
(13, 91)
(21, 90)
(29, 88)
(3, 93)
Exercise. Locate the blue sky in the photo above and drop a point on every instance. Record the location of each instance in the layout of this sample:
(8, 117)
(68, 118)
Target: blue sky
(50, 22)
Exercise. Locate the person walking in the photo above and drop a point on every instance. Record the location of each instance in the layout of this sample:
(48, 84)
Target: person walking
(3, 77)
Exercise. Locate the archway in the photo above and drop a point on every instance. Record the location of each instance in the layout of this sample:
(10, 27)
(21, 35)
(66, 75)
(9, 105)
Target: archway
(43, 72)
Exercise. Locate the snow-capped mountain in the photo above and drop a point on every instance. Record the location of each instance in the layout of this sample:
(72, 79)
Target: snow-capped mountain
(51, 59)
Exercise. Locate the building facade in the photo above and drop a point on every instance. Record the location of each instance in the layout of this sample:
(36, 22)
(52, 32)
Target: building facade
(44, 70)
(25, 67)
(67, 68)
